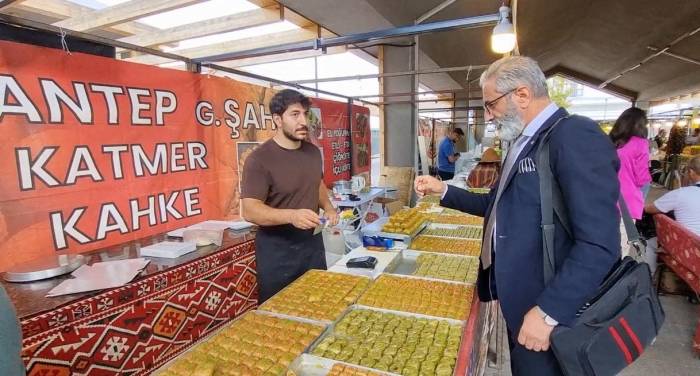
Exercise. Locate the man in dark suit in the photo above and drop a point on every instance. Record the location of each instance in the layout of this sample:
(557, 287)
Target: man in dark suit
(584, 163)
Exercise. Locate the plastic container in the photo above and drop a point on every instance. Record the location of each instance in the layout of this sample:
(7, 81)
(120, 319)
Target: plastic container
(203, 237)
(334, 242)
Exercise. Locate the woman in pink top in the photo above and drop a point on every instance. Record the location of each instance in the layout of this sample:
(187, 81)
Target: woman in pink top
(629, 136)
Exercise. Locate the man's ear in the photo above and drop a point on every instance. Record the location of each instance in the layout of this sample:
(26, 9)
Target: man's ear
(522, 97)
(277, 120)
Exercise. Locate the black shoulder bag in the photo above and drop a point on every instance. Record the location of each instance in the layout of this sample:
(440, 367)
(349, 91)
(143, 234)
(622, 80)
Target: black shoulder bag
(622, 319)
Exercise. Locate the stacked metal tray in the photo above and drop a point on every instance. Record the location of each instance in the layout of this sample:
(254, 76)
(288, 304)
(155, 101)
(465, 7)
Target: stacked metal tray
(317, 303)
(453, 231)
(311, 365)
(407, 263)
(375, 229)
(316, 365)
(207, 365)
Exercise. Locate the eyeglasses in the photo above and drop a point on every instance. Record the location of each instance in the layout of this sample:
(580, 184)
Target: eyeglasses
(488, 106)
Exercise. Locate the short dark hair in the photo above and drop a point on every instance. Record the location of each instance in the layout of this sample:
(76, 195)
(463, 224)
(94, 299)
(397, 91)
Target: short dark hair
(285, 98)
(458, 131)
(632, 122)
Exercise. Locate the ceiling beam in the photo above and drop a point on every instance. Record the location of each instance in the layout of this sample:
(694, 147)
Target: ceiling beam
(63, 9)
(263, 3)
(296, 18)
(272, 39)
(243, 20)
(591, 81)
(120, 13)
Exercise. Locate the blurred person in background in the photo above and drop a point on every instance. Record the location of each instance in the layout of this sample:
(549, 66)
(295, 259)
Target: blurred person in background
(629, 134)
(683, 202)
(446, 154)
(676, 141)
(660, 138)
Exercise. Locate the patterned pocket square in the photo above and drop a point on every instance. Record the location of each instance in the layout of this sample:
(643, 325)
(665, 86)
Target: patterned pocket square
(526, 165)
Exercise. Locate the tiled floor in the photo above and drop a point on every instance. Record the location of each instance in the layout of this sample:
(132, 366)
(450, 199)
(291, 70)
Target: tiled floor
(671, 354)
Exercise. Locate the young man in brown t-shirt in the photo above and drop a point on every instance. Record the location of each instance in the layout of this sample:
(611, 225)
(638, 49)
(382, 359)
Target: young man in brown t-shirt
(282, 190)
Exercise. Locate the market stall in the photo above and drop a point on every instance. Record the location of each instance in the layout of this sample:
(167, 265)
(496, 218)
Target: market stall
(414, 313)
(107, 157)
(100, 175)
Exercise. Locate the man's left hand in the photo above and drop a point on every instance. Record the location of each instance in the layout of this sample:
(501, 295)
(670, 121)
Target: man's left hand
(332, 217)
(534, 334)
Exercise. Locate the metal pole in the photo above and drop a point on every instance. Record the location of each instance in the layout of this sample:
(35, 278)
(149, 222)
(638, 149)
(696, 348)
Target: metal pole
(191, 64)
(278, 82)
(415, 101)
(414, 64)
(655, 54)
(451, 118)
(679, 57)
(316, 73)
(323, 43)
(432, 144)
(447, 109)
(352, 172)
(447, 91)
(434, 11)
(393, 74)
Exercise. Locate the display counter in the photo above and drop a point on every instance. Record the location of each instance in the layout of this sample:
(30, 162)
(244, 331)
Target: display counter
(138, 327)
(178, 305)
(400, 318)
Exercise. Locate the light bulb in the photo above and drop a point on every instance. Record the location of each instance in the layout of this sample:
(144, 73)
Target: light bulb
(502, 43)
(503, 37)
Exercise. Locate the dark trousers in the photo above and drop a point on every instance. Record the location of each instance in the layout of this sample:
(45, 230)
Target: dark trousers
(283, 257)
(524, 362)
(444, 175)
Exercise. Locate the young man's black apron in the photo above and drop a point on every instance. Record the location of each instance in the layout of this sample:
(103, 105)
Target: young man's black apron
(283, 253)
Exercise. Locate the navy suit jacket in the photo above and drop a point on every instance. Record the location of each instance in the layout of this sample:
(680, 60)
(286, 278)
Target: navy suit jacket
(584, 163)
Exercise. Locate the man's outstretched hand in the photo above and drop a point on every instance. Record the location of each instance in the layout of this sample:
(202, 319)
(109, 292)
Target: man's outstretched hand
(426, 185)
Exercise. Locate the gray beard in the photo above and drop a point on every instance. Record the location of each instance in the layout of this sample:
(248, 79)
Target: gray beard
(509, 130)
(509, 126)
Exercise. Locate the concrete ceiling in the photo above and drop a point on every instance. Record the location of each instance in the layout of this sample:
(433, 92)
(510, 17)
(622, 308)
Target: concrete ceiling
(590, 40)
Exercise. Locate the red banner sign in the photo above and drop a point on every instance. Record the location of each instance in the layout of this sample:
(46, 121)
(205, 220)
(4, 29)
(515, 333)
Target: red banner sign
(98, 152)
